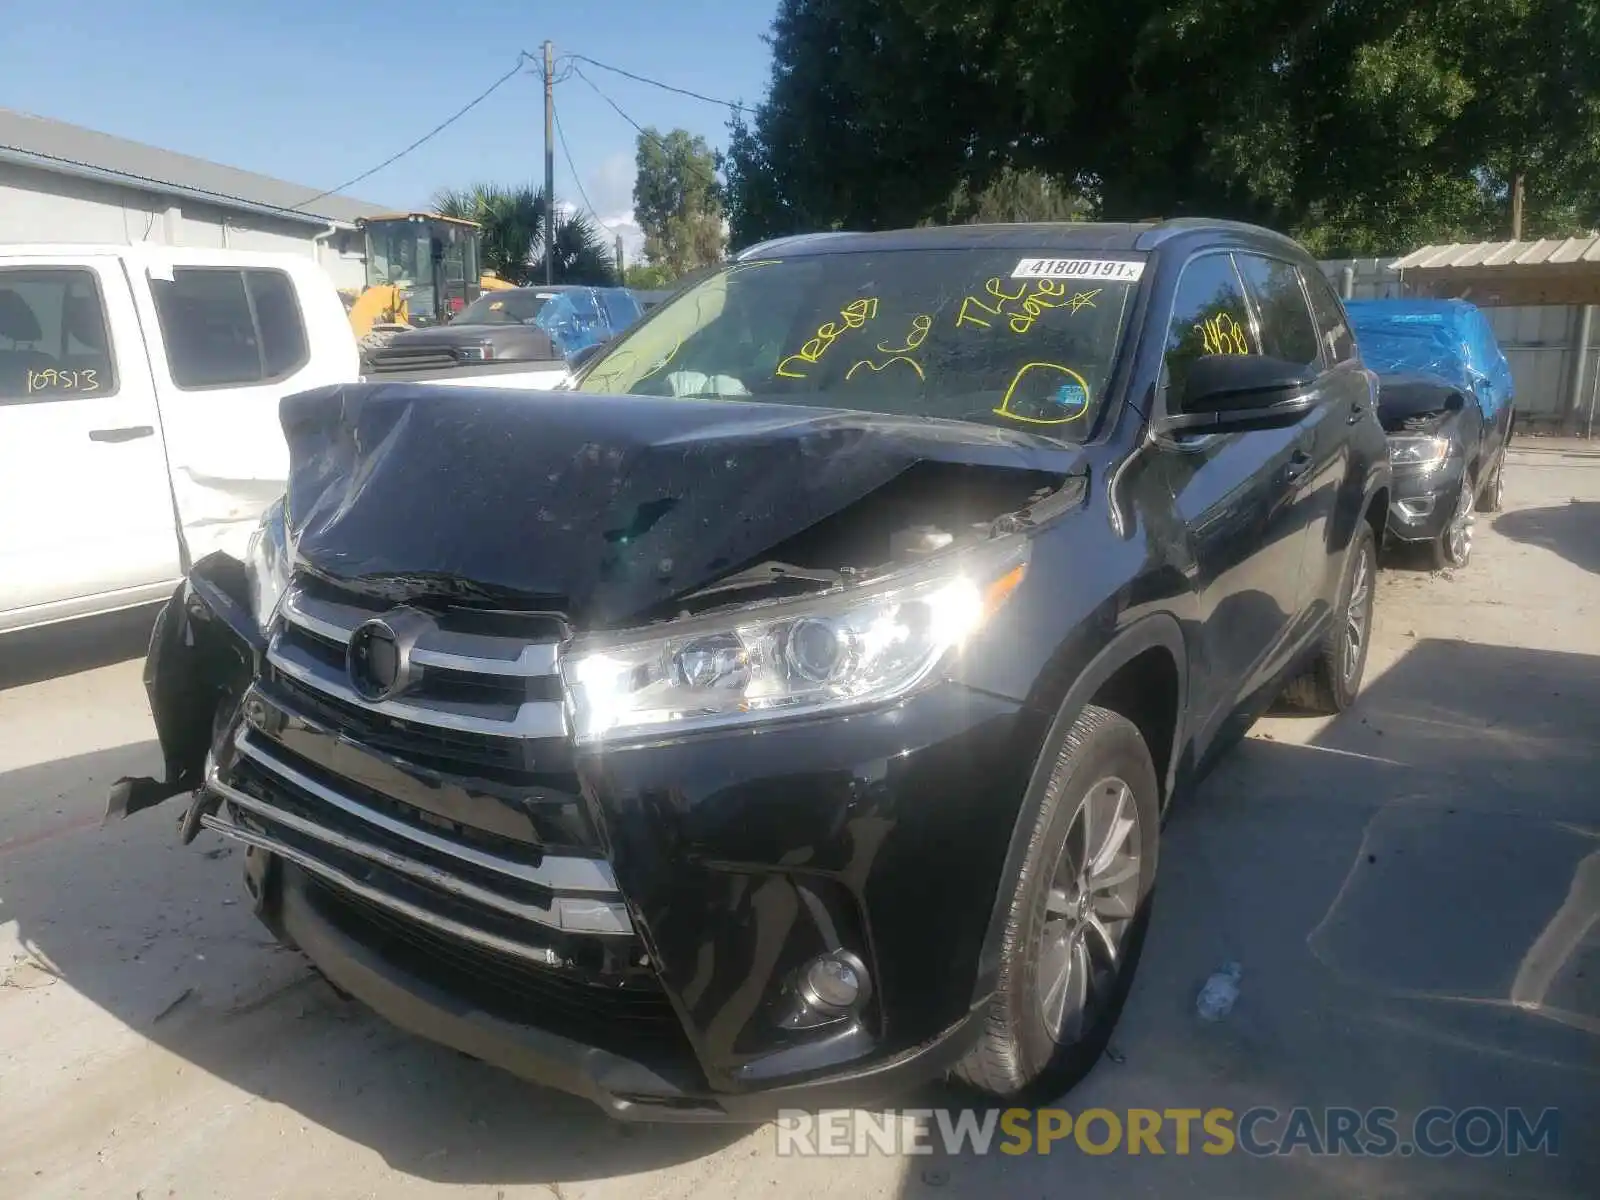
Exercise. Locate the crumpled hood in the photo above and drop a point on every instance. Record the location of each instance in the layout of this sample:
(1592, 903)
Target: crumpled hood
(600, 506)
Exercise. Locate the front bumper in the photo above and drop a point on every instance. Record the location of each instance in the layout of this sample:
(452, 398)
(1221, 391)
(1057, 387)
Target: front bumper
(1421, 500)
(630, 925)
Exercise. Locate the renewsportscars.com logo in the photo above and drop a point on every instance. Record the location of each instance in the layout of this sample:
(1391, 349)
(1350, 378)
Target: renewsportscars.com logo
(1478, 1132)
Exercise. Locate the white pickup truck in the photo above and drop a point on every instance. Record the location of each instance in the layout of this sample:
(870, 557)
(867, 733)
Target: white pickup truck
(139, 390)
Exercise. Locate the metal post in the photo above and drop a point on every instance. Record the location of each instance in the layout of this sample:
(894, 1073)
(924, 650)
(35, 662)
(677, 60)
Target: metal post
(1347, 282)
(1580, 366)
(1516, 208)
(549, 163)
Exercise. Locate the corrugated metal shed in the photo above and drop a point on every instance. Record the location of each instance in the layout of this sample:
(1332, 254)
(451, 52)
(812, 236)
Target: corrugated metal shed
(55, 145)
(1546, 251)
(1547, 271)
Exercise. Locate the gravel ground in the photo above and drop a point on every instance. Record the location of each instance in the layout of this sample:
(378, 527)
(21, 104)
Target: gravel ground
(1412, 891)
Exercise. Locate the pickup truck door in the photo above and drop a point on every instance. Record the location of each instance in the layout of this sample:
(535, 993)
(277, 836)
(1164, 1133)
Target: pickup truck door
(228, 342)
(1233, 496)
(86, 516)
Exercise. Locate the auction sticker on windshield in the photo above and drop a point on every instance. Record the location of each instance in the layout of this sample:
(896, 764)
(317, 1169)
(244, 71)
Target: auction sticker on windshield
(1121, 270)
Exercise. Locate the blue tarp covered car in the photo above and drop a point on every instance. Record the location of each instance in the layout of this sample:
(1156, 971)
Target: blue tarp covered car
(1446, 400)
(1451, 339)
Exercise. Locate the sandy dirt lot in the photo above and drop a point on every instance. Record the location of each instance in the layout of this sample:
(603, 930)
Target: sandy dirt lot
(1412, 891)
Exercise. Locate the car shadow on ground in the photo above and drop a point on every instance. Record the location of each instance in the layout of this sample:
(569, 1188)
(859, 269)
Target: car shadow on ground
(1413, 898)
(1571, 530)
(160, 936)
(74, 646)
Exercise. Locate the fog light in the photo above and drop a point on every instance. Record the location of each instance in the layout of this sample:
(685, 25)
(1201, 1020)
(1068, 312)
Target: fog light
(835, 983)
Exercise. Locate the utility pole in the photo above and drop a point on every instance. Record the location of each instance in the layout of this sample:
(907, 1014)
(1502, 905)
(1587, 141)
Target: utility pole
(622, 273)
(1516, 207)
(549, 163)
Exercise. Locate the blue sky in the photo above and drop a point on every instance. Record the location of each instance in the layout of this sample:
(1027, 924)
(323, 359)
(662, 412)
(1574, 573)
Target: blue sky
(317, 92)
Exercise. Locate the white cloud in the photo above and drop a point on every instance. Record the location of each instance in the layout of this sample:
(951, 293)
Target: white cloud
(610, 190)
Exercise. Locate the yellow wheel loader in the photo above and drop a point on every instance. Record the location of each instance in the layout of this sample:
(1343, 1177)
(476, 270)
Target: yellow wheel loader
(421, 269)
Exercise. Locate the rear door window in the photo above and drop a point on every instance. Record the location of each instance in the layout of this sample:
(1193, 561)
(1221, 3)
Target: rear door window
(1333, 327)
(229, 328)
(54, 341)
(1287, 330)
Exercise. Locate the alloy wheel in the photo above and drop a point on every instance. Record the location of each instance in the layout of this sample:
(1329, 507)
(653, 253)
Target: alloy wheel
(1357, 613)
(1458, 534)
(1092, 902)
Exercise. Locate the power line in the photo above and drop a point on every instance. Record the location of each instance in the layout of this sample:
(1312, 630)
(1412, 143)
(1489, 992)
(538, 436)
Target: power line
(437, 129)
(710, 176)
(666, 87)
(566, 150)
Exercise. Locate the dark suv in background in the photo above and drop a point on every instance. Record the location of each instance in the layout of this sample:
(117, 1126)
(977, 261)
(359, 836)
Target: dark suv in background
(787, 714)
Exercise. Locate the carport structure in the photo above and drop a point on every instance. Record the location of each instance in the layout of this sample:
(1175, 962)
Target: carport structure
(1540, 296)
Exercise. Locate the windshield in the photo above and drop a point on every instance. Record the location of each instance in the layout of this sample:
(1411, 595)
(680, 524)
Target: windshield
(985, 335)
(506, 307)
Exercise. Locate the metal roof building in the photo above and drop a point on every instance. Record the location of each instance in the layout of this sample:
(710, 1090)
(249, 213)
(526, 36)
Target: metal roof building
(65, 183)
(1548, 271)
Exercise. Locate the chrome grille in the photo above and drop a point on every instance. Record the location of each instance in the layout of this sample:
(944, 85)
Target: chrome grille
(476, 683)
(482, 700)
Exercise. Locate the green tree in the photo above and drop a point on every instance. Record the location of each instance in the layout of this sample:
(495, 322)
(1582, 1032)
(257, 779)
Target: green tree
(513, 235)
(1365, 126)
(677, 201)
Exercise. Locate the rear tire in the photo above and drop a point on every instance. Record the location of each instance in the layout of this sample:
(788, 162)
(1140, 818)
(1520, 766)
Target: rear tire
(1333, 680)
(1077, 916)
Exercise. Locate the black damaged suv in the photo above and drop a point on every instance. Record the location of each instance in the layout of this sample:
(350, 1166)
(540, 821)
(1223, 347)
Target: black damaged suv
(786, 713)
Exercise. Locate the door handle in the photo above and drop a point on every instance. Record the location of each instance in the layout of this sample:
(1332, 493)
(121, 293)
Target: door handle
(1298, 464)
(126, 434)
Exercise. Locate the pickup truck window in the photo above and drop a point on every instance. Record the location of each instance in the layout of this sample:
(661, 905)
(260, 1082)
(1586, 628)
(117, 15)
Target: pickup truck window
(1015, 338)
(224, 327)
(1287, 331)
(1334, 328)
(53, 339)
(1209, 316)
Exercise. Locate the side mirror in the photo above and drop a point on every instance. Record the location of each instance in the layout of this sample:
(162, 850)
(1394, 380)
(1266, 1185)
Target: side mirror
(1230, 390)
(587, 353)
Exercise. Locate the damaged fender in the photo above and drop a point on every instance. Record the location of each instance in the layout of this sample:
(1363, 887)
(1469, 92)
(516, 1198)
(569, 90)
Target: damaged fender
(204, 650)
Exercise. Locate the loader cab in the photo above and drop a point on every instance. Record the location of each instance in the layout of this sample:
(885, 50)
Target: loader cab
(432, 261)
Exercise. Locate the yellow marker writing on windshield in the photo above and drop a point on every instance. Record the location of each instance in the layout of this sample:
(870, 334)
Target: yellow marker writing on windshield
(1065, 391)
(853, 316)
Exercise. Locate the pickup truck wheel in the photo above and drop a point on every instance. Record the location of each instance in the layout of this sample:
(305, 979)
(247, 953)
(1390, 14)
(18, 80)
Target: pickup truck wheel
(1331, 683)
(1453, 546)
(1077, 918)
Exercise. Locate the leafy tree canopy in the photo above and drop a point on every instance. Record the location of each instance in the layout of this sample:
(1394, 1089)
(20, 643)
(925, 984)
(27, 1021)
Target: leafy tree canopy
(513, 233)
(1362, 126)
(677, 201)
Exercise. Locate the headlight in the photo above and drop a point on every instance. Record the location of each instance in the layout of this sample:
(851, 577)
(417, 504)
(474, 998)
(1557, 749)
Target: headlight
(859, 645)
(266, 563)
(1418, 451)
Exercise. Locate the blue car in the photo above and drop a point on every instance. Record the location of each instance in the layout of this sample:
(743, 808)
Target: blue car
(1446, 400)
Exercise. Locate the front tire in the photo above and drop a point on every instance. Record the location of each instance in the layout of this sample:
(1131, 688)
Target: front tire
(1493, 497)
(1077, 916)
(1453, 547)
(1331, 683)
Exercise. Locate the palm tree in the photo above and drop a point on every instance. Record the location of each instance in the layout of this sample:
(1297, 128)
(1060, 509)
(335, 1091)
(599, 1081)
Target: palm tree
(513, 223)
